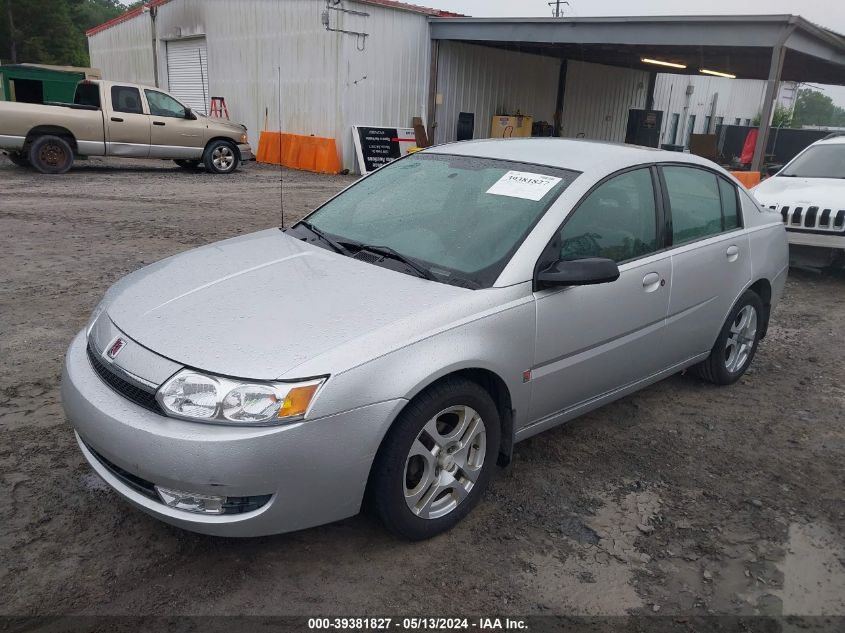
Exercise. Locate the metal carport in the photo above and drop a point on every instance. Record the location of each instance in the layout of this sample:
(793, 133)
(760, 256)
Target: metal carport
(771, 47)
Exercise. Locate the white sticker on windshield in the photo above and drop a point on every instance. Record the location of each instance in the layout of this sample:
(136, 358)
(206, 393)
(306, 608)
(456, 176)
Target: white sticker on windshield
(523, 184)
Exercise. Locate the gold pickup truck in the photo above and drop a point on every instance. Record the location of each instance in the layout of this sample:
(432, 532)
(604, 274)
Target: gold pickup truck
(121, 120)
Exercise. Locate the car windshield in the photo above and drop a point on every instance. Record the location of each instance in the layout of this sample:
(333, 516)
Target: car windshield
(460, 218)
(821, 161)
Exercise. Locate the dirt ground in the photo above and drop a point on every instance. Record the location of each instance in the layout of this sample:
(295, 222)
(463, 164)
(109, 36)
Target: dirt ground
(684, 499)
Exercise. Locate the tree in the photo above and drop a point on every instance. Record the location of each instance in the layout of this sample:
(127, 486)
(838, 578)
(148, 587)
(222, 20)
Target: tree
(781, 117)
(51, 31)
(816, 108)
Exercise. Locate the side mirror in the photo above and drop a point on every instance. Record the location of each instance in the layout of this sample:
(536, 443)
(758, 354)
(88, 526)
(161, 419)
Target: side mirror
(579, 272)
(189, 114)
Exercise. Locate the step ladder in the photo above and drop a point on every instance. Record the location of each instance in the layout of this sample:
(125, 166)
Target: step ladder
(218, 107)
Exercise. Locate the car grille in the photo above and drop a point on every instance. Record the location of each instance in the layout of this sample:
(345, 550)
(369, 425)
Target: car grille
(233, 505)
(141, 397)
(811, 218)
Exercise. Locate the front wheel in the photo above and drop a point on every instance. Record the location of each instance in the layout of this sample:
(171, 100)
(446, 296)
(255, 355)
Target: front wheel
(737, 342)
(436, 460)
(16, 158)
(51, 154)
(221, 157)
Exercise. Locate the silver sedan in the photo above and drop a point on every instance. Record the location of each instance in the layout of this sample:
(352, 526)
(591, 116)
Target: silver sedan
(393, 346)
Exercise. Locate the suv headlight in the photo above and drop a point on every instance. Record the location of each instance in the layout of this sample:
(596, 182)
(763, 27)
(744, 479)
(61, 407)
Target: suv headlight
(193, 395)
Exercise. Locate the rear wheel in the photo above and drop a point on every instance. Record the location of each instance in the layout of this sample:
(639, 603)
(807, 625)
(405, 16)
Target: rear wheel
(737, 342)
(436, 460)
(51, 154)
(19, 159)
(190, 165)
(221, 157)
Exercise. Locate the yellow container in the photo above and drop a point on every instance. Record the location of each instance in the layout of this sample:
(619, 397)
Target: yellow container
(511, 126)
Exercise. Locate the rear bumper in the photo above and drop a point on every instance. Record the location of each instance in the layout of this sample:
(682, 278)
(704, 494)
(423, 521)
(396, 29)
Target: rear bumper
(246, 152)
(315, 472)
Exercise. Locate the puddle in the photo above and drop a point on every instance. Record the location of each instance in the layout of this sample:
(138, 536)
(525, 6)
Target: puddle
(813, 571)
(597, 578)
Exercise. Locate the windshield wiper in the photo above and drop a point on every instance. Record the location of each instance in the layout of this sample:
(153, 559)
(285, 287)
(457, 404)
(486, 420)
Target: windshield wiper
(337, 246)
(386, 251)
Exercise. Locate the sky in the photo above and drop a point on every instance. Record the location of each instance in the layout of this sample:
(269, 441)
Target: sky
(827, 13)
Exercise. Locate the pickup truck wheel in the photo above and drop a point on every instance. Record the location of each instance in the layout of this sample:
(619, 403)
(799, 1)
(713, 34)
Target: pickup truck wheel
(51, 155)
(221, 157)
(19, 159)
(190, 165)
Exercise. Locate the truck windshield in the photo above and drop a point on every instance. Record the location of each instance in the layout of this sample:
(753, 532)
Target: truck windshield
(821, 161)
(459, 217)
(87, 94)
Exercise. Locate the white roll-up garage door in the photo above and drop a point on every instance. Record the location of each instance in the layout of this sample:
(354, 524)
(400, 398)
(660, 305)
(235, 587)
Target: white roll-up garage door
(187, 72)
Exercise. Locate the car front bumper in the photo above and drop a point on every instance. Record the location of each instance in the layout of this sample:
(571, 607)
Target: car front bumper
(821, 240)
(314, 471)
(245, 150)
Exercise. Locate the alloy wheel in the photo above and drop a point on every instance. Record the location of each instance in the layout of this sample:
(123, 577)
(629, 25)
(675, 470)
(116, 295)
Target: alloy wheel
(444, 462)
(741, 339)
(223, 158)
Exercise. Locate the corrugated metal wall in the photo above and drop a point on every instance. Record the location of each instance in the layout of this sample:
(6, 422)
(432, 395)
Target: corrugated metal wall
(736, 99)
(597, 100)
(327, 82)
(489, 81)
(124, 51)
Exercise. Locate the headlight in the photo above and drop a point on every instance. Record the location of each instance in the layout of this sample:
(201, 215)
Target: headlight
(94, 316)
(243, 138)
(195, 396)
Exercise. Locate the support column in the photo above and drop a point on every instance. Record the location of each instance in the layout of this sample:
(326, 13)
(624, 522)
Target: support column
(432, 91)
(649, 96)
(775, 70)
(561, 91)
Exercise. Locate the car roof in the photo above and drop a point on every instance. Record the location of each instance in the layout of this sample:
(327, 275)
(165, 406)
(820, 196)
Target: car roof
(839, 139)
(576, 154)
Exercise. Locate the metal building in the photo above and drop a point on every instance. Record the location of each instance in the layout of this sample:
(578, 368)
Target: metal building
(329, 64)
(321, 66)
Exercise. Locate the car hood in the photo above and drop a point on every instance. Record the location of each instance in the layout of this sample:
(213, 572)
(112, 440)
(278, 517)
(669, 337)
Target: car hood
(826, 193)
(257, 306)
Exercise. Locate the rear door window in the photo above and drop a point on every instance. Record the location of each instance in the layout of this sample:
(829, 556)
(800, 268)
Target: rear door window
(730, 205)
(126, 99)
(696, 198)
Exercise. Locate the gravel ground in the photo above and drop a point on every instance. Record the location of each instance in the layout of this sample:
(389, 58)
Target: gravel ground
(684, 499)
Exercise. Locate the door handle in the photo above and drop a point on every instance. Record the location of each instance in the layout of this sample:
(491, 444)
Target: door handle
(651, 282)
(162, 123)
(117, 119)
(732, 253)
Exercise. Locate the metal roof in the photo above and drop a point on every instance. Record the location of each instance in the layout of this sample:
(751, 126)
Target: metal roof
(391, 4)
(736, 44)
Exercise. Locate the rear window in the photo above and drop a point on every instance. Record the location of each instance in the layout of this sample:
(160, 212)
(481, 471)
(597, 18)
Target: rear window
(87, 95)
(126, 99)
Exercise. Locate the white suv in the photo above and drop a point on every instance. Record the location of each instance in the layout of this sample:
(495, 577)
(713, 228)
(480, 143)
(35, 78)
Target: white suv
(809, 193)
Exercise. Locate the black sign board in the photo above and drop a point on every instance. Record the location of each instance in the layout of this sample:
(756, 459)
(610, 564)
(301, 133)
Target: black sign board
(377, 146)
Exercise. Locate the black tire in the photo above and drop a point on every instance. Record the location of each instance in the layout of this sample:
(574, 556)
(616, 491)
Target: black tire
(393, 464)
(221, 157)
(51, 154)
(718, 368)
(19, 159)
(189, 165)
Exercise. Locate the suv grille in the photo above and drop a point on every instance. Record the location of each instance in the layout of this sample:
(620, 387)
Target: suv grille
(812, 218)
(126, 389)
